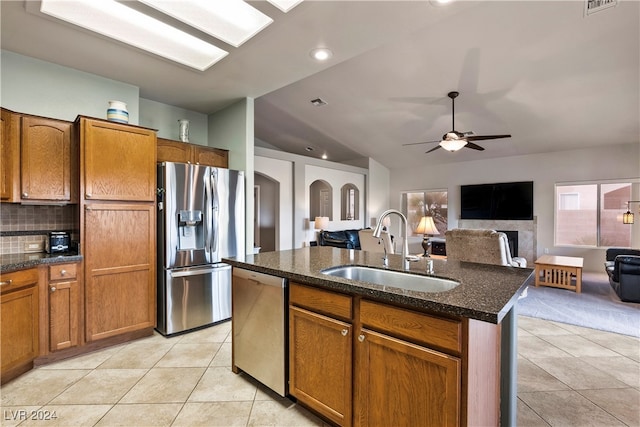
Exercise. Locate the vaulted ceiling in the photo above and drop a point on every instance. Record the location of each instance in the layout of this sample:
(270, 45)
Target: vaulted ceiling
(545, 72)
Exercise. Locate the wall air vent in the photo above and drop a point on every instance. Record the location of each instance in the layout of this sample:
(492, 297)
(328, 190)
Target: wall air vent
(318, 102)
(593, 6)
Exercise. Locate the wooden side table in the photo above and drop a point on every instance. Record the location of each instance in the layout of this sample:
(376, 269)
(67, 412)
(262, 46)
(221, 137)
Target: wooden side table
(559, 272)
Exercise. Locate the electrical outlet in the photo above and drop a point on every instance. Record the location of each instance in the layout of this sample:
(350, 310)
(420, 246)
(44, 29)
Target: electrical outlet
(34, 246)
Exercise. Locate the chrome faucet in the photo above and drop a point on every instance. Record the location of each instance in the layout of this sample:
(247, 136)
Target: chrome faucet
(405, 244)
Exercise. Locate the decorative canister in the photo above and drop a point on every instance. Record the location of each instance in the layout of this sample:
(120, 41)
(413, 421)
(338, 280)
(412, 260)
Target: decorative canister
(184, 130)
(117, 112)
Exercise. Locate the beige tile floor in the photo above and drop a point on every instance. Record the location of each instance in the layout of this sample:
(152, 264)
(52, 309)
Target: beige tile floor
(567, 376)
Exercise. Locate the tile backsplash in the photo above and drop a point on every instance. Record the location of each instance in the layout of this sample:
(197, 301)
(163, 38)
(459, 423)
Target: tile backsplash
(21, 224)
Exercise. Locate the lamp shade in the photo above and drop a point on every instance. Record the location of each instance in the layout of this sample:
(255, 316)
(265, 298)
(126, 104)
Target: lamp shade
(627, 217)
(321, 222)
(427, 226)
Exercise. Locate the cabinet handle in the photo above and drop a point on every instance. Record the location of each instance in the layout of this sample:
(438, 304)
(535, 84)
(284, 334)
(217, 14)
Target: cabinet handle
(6, 282)
(52, 288)
(63, 272)
(344, 332)
(361, 337)
(88, 195)
(25, 195)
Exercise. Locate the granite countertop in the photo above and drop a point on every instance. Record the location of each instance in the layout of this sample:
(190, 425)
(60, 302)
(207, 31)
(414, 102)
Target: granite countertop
(13, 262)
(486, 292)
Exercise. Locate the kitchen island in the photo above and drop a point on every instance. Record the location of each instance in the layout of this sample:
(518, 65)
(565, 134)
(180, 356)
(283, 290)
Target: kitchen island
(452, 352)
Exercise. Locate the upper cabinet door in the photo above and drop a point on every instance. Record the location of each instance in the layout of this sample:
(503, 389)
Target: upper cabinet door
(119, 161)
(210, 156)
(10, 154)
(45, 159)
(173, 151)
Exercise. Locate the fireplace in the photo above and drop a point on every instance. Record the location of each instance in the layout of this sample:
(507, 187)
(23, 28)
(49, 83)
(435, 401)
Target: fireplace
(512, 238)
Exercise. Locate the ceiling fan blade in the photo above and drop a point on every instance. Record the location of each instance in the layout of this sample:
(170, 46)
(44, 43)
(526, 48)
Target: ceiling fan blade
(433, 149)
(484, 137)
(418, 143)
(474, 146)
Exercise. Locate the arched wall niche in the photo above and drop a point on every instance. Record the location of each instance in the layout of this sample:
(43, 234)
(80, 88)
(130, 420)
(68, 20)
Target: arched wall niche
(320, 199)
(349, 202)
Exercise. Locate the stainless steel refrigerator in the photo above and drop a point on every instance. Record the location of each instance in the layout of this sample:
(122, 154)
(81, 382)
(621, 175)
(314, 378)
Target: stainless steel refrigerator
(200, 221)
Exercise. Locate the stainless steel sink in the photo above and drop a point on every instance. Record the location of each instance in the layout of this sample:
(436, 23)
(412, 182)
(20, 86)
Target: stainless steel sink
(391, 278)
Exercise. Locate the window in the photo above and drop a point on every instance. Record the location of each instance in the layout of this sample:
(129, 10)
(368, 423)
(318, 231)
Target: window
(417, 204)
(591, 214)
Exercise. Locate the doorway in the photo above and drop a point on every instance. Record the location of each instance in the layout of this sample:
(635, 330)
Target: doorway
(267, 212)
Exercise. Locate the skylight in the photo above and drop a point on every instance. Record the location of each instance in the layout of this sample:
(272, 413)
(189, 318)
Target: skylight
(232, 21)
(119, 22)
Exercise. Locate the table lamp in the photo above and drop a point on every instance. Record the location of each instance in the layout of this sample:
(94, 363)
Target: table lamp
(428, 228)
(321, 222)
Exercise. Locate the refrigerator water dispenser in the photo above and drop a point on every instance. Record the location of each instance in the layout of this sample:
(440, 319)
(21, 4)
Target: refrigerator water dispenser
(191, 231)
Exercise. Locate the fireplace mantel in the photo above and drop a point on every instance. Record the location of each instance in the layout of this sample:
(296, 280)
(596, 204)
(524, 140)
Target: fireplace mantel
(527, 233)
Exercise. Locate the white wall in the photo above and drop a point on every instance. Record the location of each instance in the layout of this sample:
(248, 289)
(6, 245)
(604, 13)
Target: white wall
(377, 191)
(300, 226)
(164, 118)
(336, 179)
(281, 171)
(545, 170)
(41, 88)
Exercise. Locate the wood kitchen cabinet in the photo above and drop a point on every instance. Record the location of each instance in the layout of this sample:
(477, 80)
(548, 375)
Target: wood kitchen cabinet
(120, 279)
(45, 160)
(409, 368)
(64, 306)
(181, 152)
(118, 161)
(401, 382)
(18, 322)
(118, 233)
(10, 152)
(37, 164)
(320, 351)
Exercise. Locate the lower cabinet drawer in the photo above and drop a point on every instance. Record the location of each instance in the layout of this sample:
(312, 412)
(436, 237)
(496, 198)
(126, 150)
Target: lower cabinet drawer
(321, 301)
(420, 328)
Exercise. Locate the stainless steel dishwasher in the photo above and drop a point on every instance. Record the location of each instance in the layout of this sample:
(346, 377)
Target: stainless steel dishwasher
(259, 327)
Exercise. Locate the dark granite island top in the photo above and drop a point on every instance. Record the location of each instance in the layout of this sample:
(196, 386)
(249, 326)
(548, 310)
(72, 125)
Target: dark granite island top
(486, 292)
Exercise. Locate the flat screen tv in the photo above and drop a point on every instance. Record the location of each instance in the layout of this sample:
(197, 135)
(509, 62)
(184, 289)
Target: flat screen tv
(506, 200)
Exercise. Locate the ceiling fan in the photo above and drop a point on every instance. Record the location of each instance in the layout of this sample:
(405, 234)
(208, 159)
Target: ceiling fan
(454, 140)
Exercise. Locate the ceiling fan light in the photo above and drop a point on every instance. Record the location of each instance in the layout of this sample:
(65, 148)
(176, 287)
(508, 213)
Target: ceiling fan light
(453, 144)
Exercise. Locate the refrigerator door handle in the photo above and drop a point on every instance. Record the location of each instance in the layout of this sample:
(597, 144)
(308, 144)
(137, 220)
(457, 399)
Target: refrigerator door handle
(215, 206)
(193, 272)
(208, 220)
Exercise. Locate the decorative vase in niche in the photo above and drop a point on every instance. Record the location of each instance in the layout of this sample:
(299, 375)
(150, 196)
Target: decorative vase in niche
(117, 112)
(184, 130)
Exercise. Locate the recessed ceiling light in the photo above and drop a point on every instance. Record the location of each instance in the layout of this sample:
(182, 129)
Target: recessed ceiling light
(318, 102)
(321, 54)
(285, 5)
(117, 21)
(324, 156)
(309, 148)
(441, 2)
(232, 21)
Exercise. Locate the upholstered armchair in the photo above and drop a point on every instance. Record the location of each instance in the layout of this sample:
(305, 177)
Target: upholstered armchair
(373, 244)
(623, 267)
(483, 246)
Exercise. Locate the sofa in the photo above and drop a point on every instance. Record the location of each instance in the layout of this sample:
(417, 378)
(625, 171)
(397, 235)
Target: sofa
(623, 268)
(482, 246)
(345, 239)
